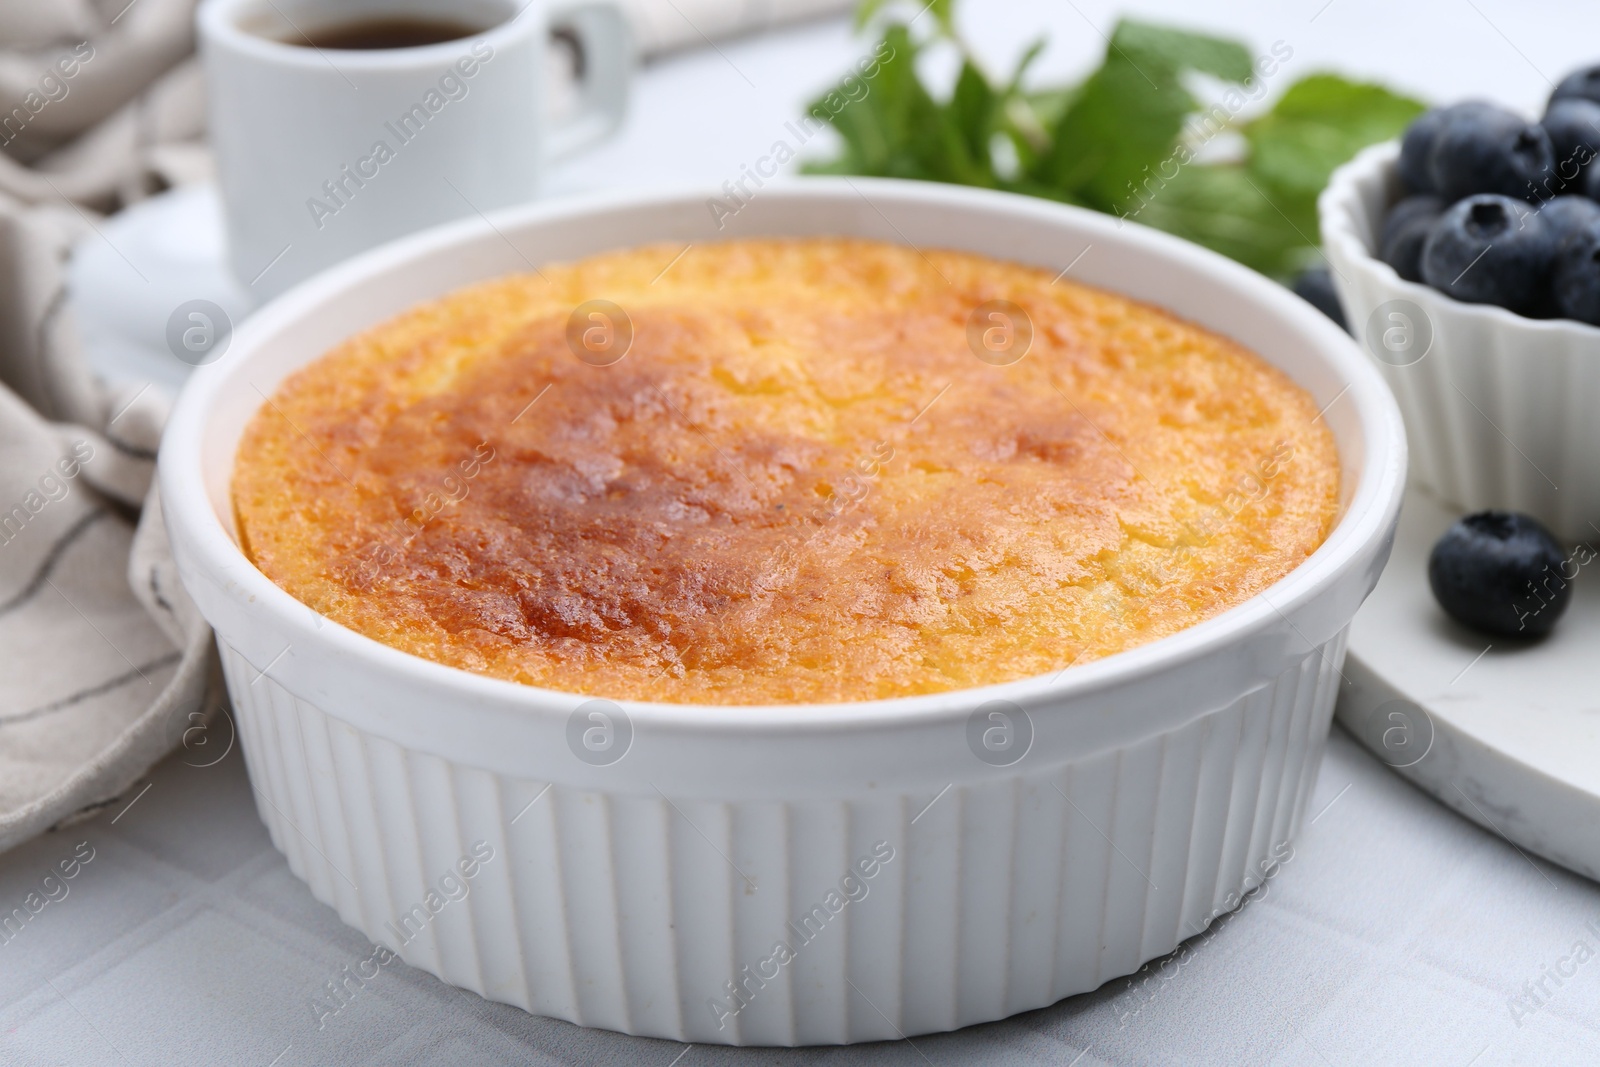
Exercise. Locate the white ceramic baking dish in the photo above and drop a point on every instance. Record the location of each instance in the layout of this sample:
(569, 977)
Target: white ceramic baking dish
(1151, 787)
(1500, 409)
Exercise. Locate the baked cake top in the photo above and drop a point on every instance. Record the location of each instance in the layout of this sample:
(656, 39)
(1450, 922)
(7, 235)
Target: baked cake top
(798, 483)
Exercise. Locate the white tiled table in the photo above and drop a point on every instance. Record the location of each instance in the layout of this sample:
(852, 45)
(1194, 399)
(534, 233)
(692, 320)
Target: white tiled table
(1397, 933)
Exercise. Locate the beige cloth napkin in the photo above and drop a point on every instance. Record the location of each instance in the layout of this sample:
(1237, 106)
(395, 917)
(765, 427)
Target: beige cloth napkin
(107, 664)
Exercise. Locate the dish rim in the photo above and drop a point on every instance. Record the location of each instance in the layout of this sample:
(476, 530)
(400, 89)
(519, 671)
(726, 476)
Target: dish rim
(1367, 516)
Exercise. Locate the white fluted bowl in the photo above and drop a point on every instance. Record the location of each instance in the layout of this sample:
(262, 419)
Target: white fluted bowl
(1501, 410)
(1160, 783)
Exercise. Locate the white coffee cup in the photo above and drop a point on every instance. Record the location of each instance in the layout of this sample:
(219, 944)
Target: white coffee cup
(323, 153)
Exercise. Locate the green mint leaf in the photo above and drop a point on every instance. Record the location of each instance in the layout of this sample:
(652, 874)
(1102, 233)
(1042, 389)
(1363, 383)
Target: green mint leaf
(1123, 120)
(1024, 61)
(943, 12)
(897, 130)
(973, 108)
(1126, 118)
(1114, 142)
(1223, 208)
(1050, 104)
(1167, 51)
(875, 128)
(1320, 122)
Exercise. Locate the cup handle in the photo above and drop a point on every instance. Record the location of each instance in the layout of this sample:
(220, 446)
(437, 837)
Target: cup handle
(604, 40)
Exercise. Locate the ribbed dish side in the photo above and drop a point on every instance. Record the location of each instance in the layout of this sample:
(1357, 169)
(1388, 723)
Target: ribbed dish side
(1500, 411)
(634, 912)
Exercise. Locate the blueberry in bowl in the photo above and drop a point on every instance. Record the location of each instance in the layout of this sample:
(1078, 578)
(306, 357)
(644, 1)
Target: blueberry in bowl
(1490, 249)
(1474, 176)
(1494, 288)
(1574, 225)
(1573, 125)
(1314, 285)
(1569, 216)
(1423, 136)
(1416, 149)
(1581, 84)
(1575, 275)
(1405, 230)
(1481, 148)
(1501, 573)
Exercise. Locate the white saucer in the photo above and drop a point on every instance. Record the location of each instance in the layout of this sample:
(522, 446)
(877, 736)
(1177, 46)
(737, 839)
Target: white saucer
(128, 277)
(1508, 737)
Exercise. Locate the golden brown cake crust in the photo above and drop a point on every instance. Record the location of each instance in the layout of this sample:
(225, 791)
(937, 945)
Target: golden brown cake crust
(799, 485)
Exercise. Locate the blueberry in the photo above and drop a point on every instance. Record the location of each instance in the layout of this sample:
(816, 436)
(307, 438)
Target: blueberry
(1484, 149)
(1315, 286)
(1580, 85)
(1569, 212)
(1489, 250)
(1574, 128)
(1567, 216)
(1405, 229)
(1416, 146)
(1403, 212)
(1501, 572)
(1565, 219)
(1575, 276)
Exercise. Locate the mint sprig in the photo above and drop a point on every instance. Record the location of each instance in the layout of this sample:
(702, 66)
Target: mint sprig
(1123, 140)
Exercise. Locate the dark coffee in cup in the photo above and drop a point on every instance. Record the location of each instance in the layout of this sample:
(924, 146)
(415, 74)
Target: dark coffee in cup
(390, 31)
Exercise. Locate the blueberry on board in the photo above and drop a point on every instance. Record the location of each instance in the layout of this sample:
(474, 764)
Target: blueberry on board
(1573, 124)
(1501, 572)
(1405, 229)
(1490, 249)
(1486, 149)
(1581, 84)
(1315, 286)
(1416, 147)
(1575, 276)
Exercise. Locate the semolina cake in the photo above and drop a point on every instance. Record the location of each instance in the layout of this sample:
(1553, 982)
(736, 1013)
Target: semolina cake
(781, 471)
